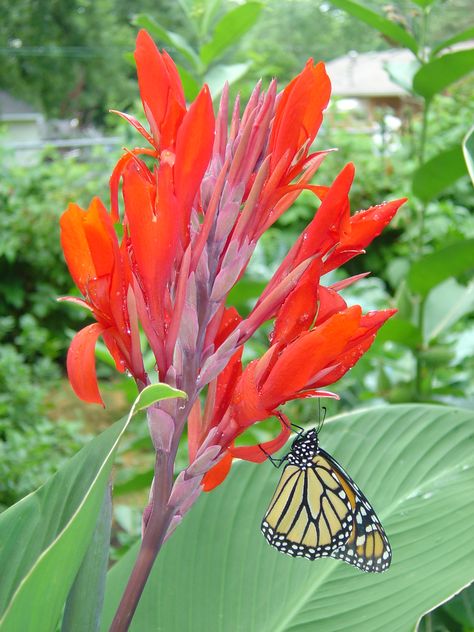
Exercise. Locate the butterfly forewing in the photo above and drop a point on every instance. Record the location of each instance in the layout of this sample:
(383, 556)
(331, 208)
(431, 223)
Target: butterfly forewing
(318, 511)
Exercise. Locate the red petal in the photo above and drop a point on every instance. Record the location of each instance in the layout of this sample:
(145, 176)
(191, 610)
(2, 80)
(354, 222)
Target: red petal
(255, 453)
(307, 355)
(230, 319)
(161, 94)
(193, 151)
(75, 247)
(359, 343)
(217, 474)
(246, 403)
(81, 363)
(225, 386)
(364, 227)
(299, 308)
(300, 111)
(136, 124)
(329, 304)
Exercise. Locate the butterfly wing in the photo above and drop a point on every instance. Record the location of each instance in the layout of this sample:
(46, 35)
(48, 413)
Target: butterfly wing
(368, 547)
(310, 514)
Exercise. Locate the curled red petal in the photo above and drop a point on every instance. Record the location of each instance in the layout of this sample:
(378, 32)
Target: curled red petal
(218, 473)
(256, 453)
(81, 363)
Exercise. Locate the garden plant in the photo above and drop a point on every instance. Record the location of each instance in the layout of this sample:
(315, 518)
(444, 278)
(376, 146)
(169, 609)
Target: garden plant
(161, 269)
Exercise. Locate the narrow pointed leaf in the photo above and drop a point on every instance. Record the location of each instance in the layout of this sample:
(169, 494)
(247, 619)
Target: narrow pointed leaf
(376, 21)
(464, 36)
(438, 74)
(230, 28)
(468, 151)
(89, 585)
(415, 464)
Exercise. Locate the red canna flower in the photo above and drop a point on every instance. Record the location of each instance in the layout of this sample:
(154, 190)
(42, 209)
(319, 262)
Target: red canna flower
(190, 217)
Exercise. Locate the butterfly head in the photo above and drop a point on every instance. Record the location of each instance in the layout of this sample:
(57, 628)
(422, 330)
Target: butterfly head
(304, 447)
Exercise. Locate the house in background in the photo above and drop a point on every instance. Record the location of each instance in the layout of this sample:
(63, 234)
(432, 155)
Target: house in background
(20, 123)
(363, 77)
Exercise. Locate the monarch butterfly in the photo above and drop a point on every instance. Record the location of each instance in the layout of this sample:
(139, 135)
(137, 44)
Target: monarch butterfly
(318, 511)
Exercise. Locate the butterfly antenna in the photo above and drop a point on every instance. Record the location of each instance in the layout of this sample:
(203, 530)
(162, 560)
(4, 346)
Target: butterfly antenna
(322, 416)
(284, 420)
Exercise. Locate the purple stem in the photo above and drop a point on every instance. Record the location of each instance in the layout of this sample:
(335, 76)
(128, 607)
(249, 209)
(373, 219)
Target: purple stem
(153, 537)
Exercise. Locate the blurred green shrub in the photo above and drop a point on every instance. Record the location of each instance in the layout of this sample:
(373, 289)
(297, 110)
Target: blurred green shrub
(33, 270)
(31, 446)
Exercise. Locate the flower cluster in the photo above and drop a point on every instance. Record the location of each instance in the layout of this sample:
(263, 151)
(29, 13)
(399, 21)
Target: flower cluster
(190, 208)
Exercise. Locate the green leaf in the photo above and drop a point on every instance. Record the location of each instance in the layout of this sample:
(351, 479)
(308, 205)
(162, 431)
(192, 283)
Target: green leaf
(154, 393)
(169, 37)
(445, 305)
(218, 75)
(468, 151)
(45, 536)
(89, 585)
(401, 331)
(402, 73)
(190, 86)
(139, 481)
(438, 266)
(438, 74)
(416, 465)
(381, 24)
(211, 8)
(460, 37)
(438, 173)
(461, 608)
(423, 3)
(230, 28)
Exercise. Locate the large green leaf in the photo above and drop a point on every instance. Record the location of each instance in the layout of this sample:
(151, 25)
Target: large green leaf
(438, 266)
(416, 465)
(468, 151)
(445, 305)
(438, 173)
(45, 536)
(230, 28)
(89, 585)
(376, 21)
(438, 74)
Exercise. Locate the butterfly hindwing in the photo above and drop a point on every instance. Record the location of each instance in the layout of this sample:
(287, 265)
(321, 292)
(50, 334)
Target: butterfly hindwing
(318, 511)
(368, 547)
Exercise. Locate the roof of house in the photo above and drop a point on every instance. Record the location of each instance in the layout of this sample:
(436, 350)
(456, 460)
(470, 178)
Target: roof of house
(12, 108)
(364, 74)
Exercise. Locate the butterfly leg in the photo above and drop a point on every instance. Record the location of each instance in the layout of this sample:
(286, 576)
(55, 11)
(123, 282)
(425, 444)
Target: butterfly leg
(275, 462)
